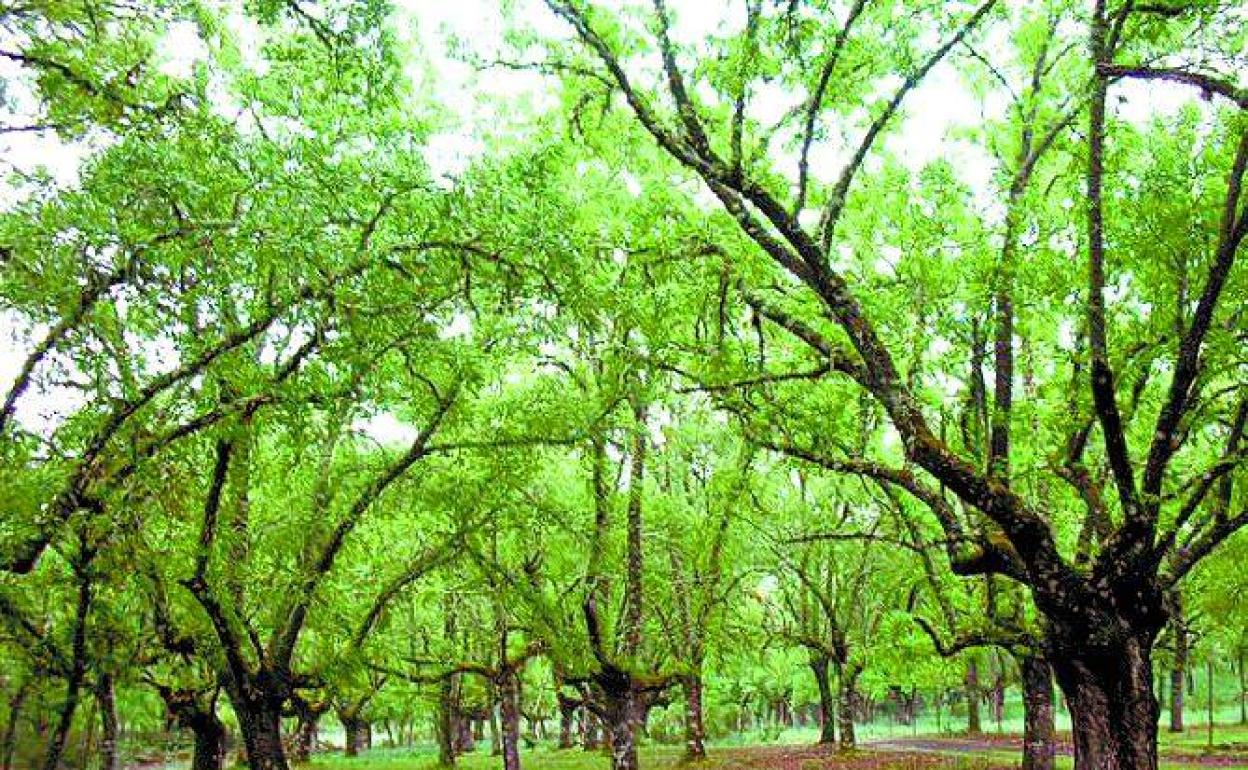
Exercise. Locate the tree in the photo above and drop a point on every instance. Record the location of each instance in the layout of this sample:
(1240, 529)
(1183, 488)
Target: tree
(699, 495)
(301, 421)
(1101, 620)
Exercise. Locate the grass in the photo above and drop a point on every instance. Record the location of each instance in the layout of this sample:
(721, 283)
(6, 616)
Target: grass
(654, 758)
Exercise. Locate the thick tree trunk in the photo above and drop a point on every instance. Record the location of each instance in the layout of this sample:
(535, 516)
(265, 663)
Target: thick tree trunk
(306, 732)
(261, 726)
(695, 729)
(1113, 712)
(186, 709)
(973, 726)
(446, 723)
(357, 734)
(509, 702)
(827, 706)
(620, 719)
(567, 716)
(106, 697)
(465, 741)
(845, 709)
(209, 749)
(1039, 730)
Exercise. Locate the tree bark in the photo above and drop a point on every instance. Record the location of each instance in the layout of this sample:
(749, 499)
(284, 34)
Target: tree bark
(1243, 689)
(10, 730)
(56, 744)
(446, 723)
(187, 710)
(496, 735)
(591, 730)
(465, 741)
(106, 697)
(973, 726)
(1209, 701)
(209, 752)
(73, 683)
(1039, 729)
(509, 702)
(620, 710)
(1113, 712)
(1179, 670)
(306, 733)
(827, 706)
(567, 715)
(260, 722)
(998, 698)
(695, 729)
(356, 729)
(845, 709)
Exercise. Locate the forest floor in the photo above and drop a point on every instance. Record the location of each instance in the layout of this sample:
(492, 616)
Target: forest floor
(785, 757)
(990, 752)
(1188, 749)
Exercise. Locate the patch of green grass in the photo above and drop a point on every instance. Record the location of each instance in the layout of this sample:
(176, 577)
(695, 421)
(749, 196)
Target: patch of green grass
(542, 758)
(1226, 737)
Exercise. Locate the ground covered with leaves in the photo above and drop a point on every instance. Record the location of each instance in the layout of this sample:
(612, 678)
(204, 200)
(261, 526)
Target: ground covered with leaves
(985, 752)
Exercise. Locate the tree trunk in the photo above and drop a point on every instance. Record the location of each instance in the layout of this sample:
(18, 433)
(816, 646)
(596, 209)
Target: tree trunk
(509, 702)
(88, 748)
(260, 723)
(446, 723)
(306, 733)
(1209, 701)
(845, 709)
(187, 710)
(209, 734)
(567, 714)
(998, 699)
(973, 726)
(1039, 730)
(1243, 689)
(73, 683)
(496, 735)
(106, 697)
(357, 734)
(620, 717)
(56, 744)
(1179, 670)
(695, 729)
(10, 730)
(591, 738)
(465, 741)
(827, 705)
(1113, 713)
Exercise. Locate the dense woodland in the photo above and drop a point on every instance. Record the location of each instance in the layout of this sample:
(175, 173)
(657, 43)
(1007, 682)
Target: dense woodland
(688, 406)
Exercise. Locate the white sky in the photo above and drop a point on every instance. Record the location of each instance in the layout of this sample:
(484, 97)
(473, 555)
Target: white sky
(482, 102)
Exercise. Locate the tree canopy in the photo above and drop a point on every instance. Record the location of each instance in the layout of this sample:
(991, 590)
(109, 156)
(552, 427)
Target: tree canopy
(638, 364)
